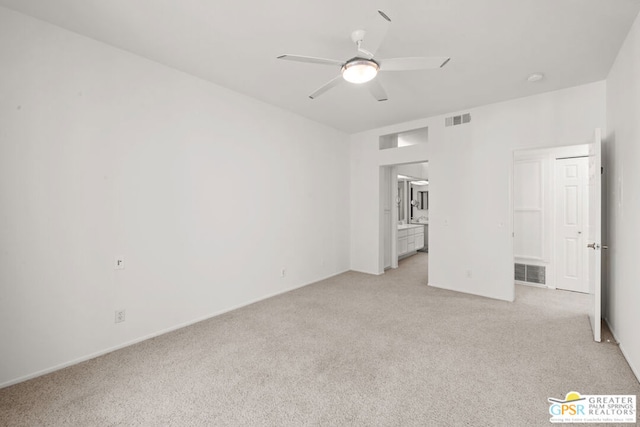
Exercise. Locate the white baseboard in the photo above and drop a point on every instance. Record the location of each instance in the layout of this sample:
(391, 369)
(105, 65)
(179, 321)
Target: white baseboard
(157, 333)
(368, 272)
(635, 371)
(533, 285)
(467, 292)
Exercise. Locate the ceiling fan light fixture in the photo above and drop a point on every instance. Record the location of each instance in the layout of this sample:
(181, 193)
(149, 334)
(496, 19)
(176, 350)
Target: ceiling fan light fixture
(360, 70)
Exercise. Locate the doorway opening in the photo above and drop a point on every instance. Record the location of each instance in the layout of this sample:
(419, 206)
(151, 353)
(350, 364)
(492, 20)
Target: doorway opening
(403, 162)
(405, 200)
(556, 212)
(550, 217)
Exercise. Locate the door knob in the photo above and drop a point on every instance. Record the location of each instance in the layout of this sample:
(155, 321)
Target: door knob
(591, 245)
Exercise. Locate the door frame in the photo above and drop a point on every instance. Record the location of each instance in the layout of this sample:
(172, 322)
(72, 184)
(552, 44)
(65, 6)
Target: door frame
(393, 193)
(388, 196)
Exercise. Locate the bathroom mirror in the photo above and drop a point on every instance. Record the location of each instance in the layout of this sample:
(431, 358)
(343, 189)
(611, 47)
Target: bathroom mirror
(423, 200)
(399, 200)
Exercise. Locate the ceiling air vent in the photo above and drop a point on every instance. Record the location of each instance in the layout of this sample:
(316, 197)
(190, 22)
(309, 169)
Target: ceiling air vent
(457, 120)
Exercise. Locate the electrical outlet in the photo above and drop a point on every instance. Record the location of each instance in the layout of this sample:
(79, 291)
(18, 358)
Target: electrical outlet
(118, 263)
(283, 272)
(120, 316)
(469, 275)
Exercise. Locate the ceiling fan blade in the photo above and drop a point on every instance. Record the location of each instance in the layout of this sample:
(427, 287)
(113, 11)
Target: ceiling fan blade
(376, 31)
(384, 15)
(408, 64)
(330, 84)
(311, 59)
(376, 89)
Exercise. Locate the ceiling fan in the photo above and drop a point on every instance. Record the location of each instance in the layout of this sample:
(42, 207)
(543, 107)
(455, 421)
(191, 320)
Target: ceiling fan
(364, 66)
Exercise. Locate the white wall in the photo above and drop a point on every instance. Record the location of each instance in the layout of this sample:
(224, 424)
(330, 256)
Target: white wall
(470, 170)
(104, 153)
(622, 178)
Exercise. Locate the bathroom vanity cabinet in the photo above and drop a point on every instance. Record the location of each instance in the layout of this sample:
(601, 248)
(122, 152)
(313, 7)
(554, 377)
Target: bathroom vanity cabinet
(410, 238)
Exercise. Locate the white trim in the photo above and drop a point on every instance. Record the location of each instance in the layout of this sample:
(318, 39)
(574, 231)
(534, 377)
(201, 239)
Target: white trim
(521, 260)
(393, 170)
(158, 333)
(469, 292)
(534, 285)
(363, 272)
(530, 258)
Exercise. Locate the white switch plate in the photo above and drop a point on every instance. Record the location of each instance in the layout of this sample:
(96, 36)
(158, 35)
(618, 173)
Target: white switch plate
(118, 263)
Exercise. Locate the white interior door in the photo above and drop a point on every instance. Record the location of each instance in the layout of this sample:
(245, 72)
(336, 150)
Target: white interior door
(595, 232)
(572, 213)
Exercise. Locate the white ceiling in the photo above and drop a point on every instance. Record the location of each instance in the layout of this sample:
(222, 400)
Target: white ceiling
(494, 46)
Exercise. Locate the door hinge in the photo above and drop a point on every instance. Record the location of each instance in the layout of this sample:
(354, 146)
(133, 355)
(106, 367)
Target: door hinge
(601, 170)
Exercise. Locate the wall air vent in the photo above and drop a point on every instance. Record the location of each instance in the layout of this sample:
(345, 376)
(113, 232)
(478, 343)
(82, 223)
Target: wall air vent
(530, 273)
(457, 120)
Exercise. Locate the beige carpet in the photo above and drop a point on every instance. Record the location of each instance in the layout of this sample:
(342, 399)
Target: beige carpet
(352, 350)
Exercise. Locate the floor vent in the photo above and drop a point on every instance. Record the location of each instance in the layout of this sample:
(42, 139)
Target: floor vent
(457, 120)
(530, 273)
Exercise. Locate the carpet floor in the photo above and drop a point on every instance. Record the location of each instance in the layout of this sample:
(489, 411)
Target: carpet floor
(354, 349)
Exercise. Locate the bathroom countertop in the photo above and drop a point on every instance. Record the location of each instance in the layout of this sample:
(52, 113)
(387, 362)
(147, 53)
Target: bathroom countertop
(405, 226)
